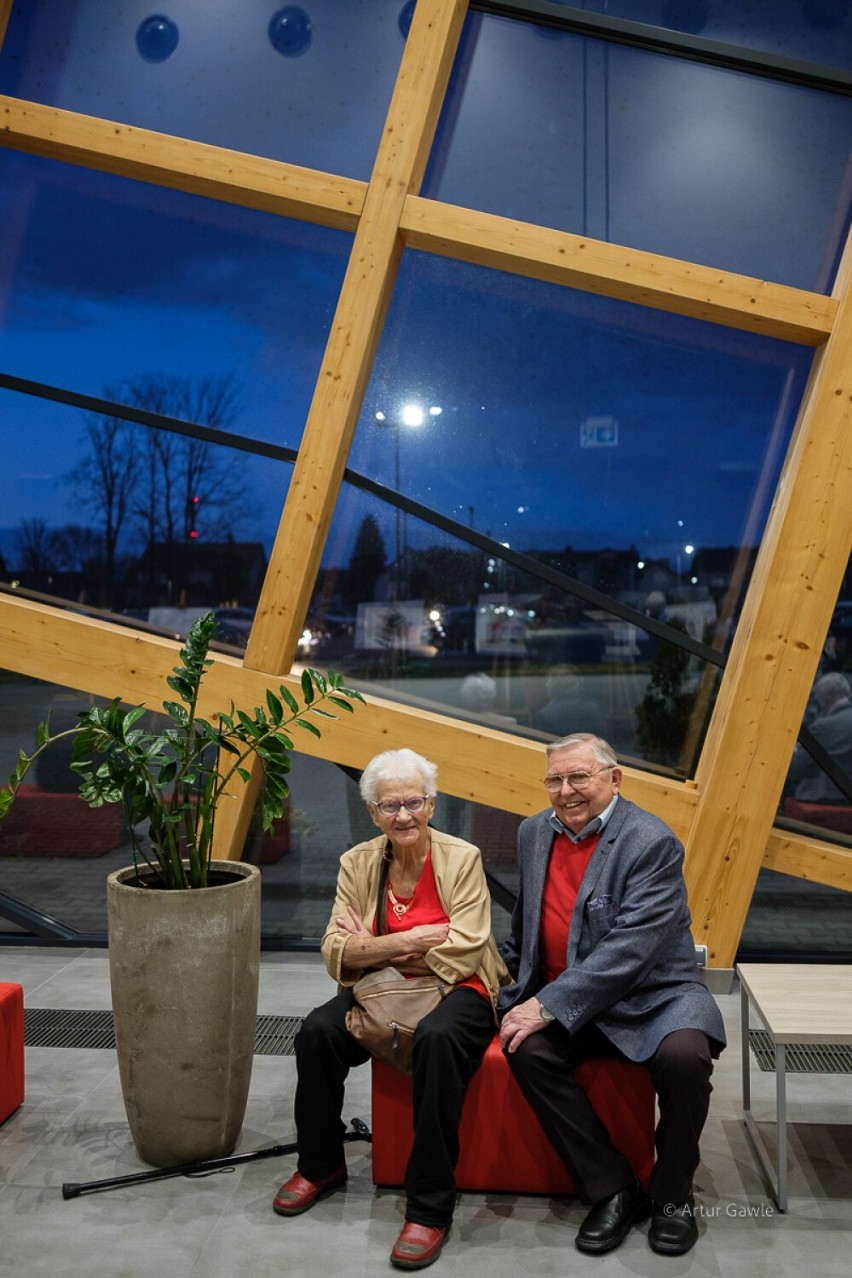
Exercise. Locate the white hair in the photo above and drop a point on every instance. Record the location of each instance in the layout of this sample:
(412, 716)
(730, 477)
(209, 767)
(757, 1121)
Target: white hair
(601, 749)
(394, 765)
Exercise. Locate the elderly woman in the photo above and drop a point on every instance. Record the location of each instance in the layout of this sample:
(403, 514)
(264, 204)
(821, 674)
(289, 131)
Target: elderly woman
(437, 920)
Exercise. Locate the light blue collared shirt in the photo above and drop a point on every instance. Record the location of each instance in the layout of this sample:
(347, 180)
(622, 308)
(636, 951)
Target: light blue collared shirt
(594, 826)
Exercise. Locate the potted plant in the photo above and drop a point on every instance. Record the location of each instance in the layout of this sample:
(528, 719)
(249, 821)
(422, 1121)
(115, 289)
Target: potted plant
(184, 930)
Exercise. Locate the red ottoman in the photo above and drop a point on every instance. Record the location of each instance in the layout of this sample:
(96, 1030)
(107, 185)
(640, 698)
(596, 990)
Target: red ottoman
(503, 1148)
(11, 1049)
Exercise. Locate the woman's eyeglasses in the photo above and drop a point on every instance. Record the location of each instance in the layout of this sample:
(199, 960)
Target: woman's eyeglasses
(390, 807)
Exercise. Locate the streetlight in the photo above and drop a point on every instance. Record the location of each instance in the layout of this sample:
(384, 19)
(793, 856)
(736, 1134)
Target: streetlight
(412, 416)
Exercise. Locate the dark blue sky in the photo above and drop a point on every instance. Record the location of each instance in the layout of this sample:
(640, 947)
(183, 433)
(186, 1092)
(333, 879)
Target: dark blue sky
(104, 279)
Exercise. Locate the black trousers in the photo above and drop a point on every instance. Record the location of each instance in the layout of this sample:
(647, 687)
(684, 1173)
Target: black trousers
(545, 1065)
(448, 1047)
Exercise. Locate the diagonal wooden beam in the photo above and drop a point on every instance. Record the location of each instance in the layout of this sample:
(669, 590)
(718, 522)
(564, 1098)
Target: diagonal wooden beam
(611, 270)
(776, 649)
(345, 370)
(196, 167)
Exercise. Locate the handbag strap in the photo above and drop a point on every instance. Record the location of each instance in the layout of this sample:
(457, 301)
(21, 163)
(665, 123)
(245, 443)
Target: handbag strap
(381, 908)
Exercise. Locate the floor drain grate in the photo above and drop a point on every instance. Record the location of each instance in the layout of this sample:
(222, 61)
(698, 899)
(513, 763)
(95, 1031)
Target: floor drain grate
(802, 1058)
(61, 1027)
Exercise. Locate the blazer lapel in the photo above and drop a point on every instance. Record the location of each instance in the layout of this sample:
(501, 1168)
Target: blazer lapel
(594, 870)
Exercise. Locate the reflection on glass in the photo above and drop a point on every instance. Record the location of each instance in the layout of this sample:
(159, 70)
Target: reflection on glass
(55, 850)
(818, 788)
(674, 157)
(792, 919)
(572, 425)
(462, 631)
(309, 84)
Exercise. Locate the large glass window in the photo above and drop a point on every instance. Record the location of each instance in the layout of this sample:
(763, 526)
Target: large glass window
(306, 84)
(150, 523)
(809, 30)
(106, 283)
(566, 425)
(459, 625)
(638, 148)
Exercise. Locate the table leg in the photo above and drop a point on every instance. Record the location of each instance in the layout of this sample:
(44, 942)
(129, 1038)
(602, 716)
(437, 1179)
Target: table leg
(777, 1182)
(781, 1122)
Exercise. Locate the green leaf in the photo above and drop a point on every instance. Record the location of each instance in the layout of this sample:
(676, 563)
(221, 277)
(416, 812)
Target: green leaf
(307, 687)
(289, 700)
(276, 710)
(309, 727)
(341, 704)
(319, 679)
(176, 712)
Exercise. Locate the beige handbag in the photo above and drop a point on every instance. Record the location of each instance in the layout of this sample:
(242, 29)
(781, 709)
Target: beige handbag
(388, 1008)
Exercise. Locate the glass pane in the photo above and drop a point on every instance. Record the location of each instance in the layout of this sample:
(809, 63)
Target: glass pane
(106, 282)
(454, 629)
(818, 788)
(310, 85)
(55, 851)
(632, 449)
(95, 510)
(810, 30)
(691, 161)
(793, 920)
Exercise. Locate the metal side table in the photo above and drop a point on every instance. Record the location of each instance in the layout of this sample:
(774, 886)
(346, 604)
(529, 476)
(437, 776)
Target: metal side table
(798, 1003)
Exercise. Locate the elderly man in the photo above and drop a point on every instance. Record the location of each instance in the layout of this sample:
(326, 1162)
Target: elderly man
(604, 965)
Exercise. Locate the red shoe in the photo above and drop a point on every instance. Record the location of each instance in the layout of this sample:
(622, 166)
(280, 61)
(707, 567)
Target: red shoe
(417, 1246)
(298, 1194)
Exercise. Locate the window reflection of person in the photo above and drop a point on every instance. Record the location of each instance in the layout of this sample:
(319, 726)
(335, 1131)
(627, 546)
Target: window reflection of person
(832, 728)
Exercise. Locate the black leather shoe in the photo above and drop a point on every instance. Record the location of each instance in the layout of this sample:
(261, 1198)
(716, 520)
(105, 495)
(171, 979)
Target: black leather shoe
(609, 1222)
(673, 1229)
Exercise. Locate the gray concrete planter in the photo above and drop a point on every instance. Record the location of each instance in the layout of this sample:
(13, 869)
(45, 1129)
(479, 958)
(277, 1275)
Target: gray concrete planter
(184, 973)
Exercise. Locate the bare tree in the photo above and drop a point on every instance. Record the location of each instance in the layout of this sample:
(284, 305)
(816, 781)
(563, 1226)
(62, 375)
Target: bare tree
(158, 482)
(105, 483)
(185, 479)
(33, 546)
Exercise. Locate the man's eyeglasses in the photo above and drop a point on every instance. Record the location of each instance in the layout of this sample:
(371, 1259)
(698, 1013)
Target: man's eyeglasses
(576, 780)
(390, 807)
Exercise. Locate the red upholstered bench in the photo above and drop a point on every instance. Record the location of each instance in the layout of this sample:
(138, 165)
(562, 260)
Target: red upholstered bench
(503, 1148)
(11, 1049)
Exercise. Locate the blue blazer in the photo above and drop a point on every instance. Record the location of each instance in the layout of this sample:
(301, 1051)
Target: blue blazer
(630, 966)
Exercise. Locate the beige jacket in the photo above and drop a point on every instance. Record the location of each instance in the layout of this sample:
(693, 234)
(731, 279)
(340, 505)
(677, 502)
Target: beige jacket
(460, 879)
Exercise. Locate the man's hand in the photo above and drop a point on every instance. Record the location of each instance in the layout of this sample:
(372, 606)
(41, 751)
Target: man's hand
(519, 1023)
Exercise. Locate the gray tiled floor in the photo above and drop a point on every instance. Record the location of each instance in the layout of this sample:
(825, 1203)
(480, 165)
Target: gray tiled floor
(72, 1128)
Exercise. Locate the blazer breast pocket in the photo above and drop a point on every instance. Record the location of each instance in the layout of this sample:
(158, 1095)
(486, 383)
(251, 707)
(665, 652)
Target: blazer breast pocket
(601, 913)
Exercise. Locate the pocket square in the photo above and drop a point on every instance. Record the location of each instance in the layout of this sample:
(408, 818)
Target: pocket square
(603, 902)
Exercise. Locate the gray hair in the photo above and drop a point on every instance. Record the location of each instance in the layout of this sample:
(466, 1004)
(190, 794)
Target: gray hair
(393, 765)
(601, 749)
(831, 688)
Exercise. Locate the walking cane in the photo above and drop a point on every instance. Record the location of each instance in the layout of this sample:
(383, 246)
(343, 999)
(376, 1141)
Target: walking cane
(205, 1167)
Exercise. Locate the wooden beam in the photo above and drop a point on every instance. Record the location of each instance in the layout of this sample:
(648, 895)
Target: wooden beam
(477, 763)
(5, 13)
(195, 167)
(776, 648)
(611, 270)
(810, 859)
(354, 336)
(348, 360)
